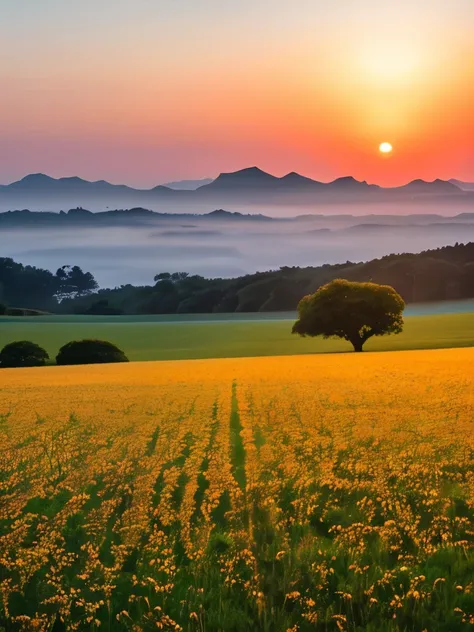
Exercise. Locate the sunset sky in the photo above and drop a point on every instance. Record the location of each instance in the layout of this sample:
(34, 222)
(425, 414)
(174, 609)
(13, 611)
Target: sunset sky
(146, 91)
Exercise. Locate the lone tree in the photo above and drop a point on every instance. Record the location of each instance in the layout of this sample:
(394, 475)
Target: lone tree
(22, 353)
(350, 310)
(90, 352)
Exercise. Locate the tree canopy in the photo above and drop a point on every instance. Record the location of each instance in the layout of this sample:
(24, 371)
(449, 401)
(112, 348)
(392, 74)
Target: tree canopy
(32, 287)
(350, 310)
(21, 354)
(90, 352)
(74, 283)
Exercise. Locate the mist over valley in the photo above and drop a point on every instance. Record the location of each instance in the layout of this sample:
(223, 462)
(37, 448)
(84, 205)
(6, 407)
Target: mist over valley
(131, 247)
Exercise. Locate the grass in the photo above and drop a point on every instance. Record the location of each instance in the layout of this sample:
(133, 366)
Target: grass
(155, 340)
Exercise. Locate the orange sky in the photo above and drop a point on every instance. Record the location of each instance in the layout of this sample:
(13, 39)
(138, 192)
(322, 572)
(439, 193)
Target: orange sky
(143, 92)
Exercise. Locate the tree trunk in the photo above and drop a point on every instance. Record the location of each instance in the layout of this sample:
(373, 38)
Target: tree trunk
(358, 344)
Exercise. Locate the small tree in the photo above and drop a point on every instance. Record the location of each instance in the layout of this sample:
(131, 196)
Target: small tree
(90, 352)
(352, 311)
(22, 353)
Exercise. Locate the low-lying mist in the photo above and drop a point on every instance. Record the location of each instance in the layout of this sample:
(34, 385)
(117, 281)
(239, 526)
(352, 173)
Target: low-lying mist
(216, 248)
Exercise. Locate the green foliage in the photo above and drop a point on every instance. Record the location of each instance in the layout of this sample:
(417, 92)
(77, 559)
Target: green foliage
(73, 282)
(22, 353)
(352, 311)
(31, 287)
(435, 275)
(103, 308)
(171, 276)
(3, 309)
(90, 352)
(219, 543)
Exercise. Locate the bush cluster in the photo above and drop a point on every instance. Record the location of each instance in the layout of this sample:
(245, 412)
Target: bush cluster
(24, 353)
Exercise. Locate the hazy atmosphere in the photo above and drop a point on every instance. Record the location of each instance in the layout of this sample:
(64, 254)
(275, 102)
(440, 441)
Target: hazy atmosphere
(148, 91)
(118, 255)
(236, 315)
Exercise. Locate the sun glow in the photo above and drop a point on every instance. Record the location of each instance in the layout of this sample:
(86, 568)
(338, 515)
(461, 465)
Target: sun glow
(385, 148)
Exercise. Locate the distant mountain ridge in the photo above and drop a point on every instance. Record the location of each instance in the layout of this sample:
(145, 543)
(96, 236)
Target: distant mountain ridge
(465, 186)
(139, 216)
(245, 187)
(255, 178)
(248, 177)
(187, 185)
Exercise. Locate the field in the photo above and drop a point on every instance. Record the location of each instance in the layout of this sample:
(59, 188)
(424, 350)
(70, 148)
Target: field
(158, 338)
(327, 492)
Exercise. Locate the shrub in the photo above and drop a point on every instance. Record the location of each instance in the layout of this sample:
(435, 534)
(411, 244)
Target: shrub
(90, 352)
(22, 353)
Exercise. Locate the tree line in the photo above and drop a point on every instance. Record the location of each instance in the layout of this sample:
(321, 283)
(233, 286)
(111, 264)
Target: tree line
(23, 286)
(433, 275)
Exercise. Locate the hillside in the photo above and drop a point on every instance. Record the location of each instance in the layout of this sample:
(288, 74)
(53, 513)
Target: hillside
(433, 275)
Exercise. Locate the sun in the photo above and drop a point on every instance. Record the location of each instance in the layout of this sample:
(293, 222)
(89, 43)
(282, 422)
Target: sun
(385, 148)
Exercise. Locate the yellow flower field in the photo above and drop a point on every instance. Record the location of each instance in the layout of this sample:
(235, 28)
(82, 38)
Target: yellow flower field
(328, 492)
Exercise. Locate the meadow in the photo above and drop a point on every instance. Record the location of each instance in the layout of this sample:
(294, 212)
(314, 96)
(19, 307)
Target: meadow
(228, 336)
(326, 492)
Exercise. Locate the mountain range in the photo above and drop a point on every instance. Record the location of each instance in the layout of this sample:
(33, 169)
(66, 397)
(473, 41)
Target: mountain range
(188, 185)
(245, 188)
(465, 186)
(311, 223)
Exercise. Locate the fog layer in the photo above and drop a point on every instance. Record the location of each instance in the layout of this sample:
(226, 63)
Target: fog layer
(225, 248)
